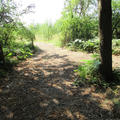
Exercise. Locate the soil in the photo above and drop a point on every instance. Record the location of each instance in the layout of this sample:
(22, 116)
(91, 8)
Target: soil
(41, 88)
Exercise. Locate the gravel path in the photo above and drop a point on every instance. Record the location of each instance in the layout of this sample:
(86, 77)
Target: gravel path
(41, 88)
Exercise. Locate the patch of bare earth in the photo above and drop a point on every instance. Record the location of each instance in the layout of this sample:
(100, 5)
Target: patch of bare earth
(41, 88)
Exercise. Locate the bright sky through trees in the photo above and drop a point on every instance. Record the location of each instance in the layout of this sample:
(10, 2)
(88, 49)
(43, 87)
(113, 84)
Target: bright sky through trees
(44, 10)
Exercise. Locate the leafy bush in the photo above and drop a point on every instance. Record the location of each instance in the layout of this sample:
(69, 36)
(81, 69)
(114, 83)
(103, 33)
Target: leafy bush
(92, 46)
(19, 51)
(24, 53)
(89, 46)
(78, 28)
(88, 71)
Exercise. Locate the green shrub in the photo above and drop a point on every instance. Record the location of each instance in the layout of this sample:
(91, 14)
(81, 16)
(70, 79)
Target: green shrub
(78, 28)
(88, 71)
(92, 46)
(17, 51)
(89, 46)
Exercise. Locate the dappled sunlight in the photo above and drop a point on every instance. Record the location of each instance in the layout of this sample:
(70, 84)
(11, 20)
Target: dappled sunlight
(54, 66)
(55, 101)
(74, 115)
(107, 104)
(80, 116)
(44, 103)
(58, 87)
(98, 97)
(34, 90)
(43, 88)
(69, 114)
(67, 83)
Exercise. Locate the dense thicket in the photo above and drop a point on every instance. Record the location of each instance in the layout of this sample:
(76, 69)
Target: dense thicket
(12, 32)
(79, 21)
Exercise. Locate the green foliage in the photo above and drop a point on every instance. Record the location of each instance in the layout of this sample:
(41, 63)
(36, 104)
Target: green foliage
(92, 46)
(45, 31)
(13, 55)
(88, 71)
(18, 50)
(78, 28)
(79, 21)
(76, 21)
(116, 18)
(8, 16)
(89, 46)
(11, 30)
(25, 33)
(56, 40)
(48, 32)
(78, 7)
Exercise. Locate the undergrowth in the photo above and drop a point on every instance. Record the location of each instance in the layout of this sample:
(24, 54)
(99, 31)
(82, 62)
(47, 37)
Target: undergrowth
(88, 72)
(92, 46)
(18, 51)
(14, 54)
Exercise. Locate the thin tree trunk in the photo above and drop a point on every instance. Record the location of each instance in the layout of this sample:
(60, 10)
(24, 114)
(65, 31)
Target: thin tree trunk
(105, 32)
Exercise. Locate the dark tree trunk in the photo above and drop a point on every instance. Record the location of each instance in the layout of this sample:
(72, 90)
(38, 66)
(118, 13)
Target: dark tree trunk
(2, 55)
(105, 32)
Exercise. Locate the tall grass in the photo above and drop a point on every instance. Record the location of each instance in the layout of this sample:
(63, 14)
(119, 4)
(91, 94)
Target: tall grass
(48, 33)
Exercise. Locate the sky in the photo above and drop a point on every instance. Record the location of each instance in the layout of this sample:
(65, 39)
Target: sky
(45, 10)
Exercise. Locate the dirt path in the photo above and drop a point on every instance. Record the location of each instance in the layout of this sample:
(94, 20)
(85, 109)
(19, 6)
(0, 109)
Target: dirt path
(41, 88)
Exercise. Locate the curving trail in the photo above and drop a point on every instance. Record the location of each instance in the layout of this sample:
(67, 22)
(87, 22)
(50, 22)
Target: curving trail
(41, 88)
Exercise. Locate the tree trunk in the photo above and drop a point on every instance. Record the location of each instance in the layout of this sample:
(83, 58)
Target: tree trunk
(2, 55)
(105, 32)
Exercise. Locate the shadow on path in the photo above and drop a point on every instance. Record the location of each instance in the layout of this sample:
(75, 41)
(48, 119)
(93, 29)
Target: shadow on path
(42, 89)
